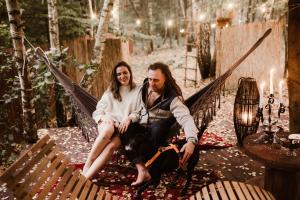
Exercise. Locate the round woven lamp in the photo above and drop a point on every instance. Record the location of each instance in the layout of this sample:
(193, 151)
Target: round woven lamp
(245, 109)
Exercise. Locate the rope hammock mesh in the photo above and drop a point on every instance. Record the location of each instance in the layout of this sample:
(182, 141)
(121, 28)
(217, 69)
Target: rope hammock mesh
(202, 104)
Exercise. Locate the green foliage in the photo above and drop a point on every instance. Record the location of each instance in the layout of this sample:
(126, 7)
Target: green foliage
(72, 21)
(43, 80)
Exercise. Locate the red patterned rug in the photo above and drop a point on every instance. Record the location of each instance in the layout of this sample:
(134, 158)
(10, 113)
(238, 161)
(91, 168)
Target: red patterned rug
(212, 141)
(117, 176)
(116, 179)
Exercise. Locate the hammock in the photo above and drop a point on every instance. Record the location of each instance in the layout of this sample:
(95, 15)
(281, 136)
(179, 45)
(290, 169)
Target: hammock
(202, 104)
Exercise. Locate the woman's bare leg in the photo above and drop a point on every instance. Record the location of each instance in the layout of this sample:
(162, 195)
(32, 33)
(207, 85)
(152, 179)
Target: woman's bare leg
(143, 174)
(105, 131)
(104, 157)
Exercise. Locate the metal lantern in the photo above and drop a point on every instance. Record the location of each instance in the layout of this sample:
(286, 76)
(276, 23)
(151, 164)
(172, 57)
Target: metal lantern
(245, 108)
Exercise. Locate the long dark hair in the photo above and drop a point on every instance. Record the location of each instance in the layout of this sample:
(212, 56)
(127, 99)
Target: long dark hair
(170, 82)
(115, 84)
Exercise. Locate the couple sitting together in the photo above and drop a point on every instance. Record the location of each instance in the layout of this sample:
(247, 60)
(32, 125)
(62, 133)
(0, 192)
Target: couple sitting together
(128, 114)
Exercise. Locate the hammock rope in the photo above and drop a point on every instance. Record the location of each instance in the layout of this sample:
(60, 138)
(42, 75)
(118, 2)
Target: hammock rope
(202, 104)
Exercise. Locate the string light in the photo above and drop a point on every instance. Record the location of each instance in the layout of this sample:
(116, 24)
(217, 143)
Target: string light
(138, 22)
(93, 16)
(263, 8)
(170, 23)
(230, 6)
(202, 17)
(213, 25)
(182, 30)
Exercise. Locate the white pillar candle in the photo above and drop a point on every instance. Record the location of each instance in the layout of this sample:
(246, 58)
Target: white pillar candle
(261, 94)
(280, 91)
(271, 81)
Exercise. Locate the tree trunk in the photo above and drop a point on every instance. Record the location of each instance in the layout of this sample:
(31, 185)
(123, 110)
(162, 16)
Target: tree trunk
(116, 16)
(150, 23)
(203, 50)
(181, 4)
(294, 65)
(55, 103)
(248, 20)
(91, 18)
(99, 43)
(53, 24)
(270, 10)
(133, 5)
(170, 27)
(176, 28)
(16, 30)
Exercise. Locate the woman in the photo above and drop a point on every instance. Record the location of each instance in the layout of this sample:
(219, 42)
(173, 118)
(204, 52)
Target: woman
(113, 114)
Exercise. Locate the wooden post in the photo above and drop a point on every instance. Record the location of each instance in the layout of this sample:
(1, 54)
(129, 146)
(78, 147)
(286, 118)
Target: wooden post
(294, 65)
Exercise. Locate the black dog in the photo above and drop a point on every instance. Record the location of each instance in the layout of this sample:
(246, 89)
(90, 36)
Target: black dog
(167, 161)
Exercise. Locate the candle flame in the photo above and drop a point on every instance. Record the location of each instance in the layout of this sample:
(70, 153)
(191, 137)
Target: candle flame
(247, 118)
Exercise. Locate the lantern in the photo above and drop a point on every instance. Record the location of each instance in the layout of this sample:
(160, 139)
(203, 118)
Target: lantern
(245, 109)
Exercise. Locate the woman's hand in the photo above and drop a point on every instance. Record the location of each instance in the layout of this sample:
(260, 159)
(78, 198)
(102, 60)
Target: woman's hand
(105, 120)
(123, 126)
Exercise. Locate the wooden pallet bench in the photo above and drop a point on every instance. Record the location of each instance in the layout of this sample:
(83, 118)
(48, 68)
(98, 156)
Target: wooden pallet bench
(232, 190)
(44, 173)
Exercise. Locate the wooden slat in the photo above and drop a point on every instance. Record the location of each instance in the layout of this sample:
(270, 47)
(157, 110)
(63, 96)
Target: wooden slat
(271, 195)
(78, 187)
(205, 194)
(8, 174)
(245, 190)
(115, 197)
(71, 183)
(28, 166)
(252, 192)
(107, 196)
(229, 190)
(266, 194)
(198, 196)
(53, 180)
(62, 183)
(44, 177)
(85, 190)
(238, 190)
(192, 197)
(221, 191)
(213, 192)
(93, 192)
(259, 192)
(100, 194)
(24, 187)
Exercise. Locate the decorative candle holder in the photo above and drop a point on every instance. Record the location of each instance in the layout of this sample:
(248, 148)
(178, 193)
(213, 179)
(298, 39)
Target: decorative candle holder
(269, 132)
(281, 109)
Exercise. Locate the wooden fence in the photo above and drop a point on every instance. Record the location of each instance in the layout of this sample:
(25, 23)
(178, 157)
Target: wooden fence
(233, 42)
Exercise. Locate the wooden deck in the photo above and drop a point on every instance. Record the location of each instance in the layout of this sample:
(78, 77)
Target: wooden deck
(229, 163)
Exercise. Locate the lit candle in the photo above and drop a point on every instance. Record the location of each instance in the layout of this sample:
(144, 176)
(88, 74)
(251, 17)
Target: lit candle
(247, 118)
(261, 95)
(280, 91)
(271, 81)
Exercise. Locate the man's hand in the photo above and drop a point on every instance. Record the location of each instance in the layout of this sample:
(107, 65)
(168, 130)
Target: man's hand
(124, 125)
(188, 150)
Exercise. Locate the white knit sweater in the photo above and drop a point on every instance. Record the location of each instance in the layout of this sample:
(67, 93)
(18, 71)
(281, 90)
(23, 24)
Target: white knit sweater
(117, 110)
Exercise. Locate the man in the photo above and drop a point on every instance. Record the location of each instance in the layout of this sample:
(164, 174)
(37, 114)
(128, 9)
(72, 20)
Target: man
(162, 105)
